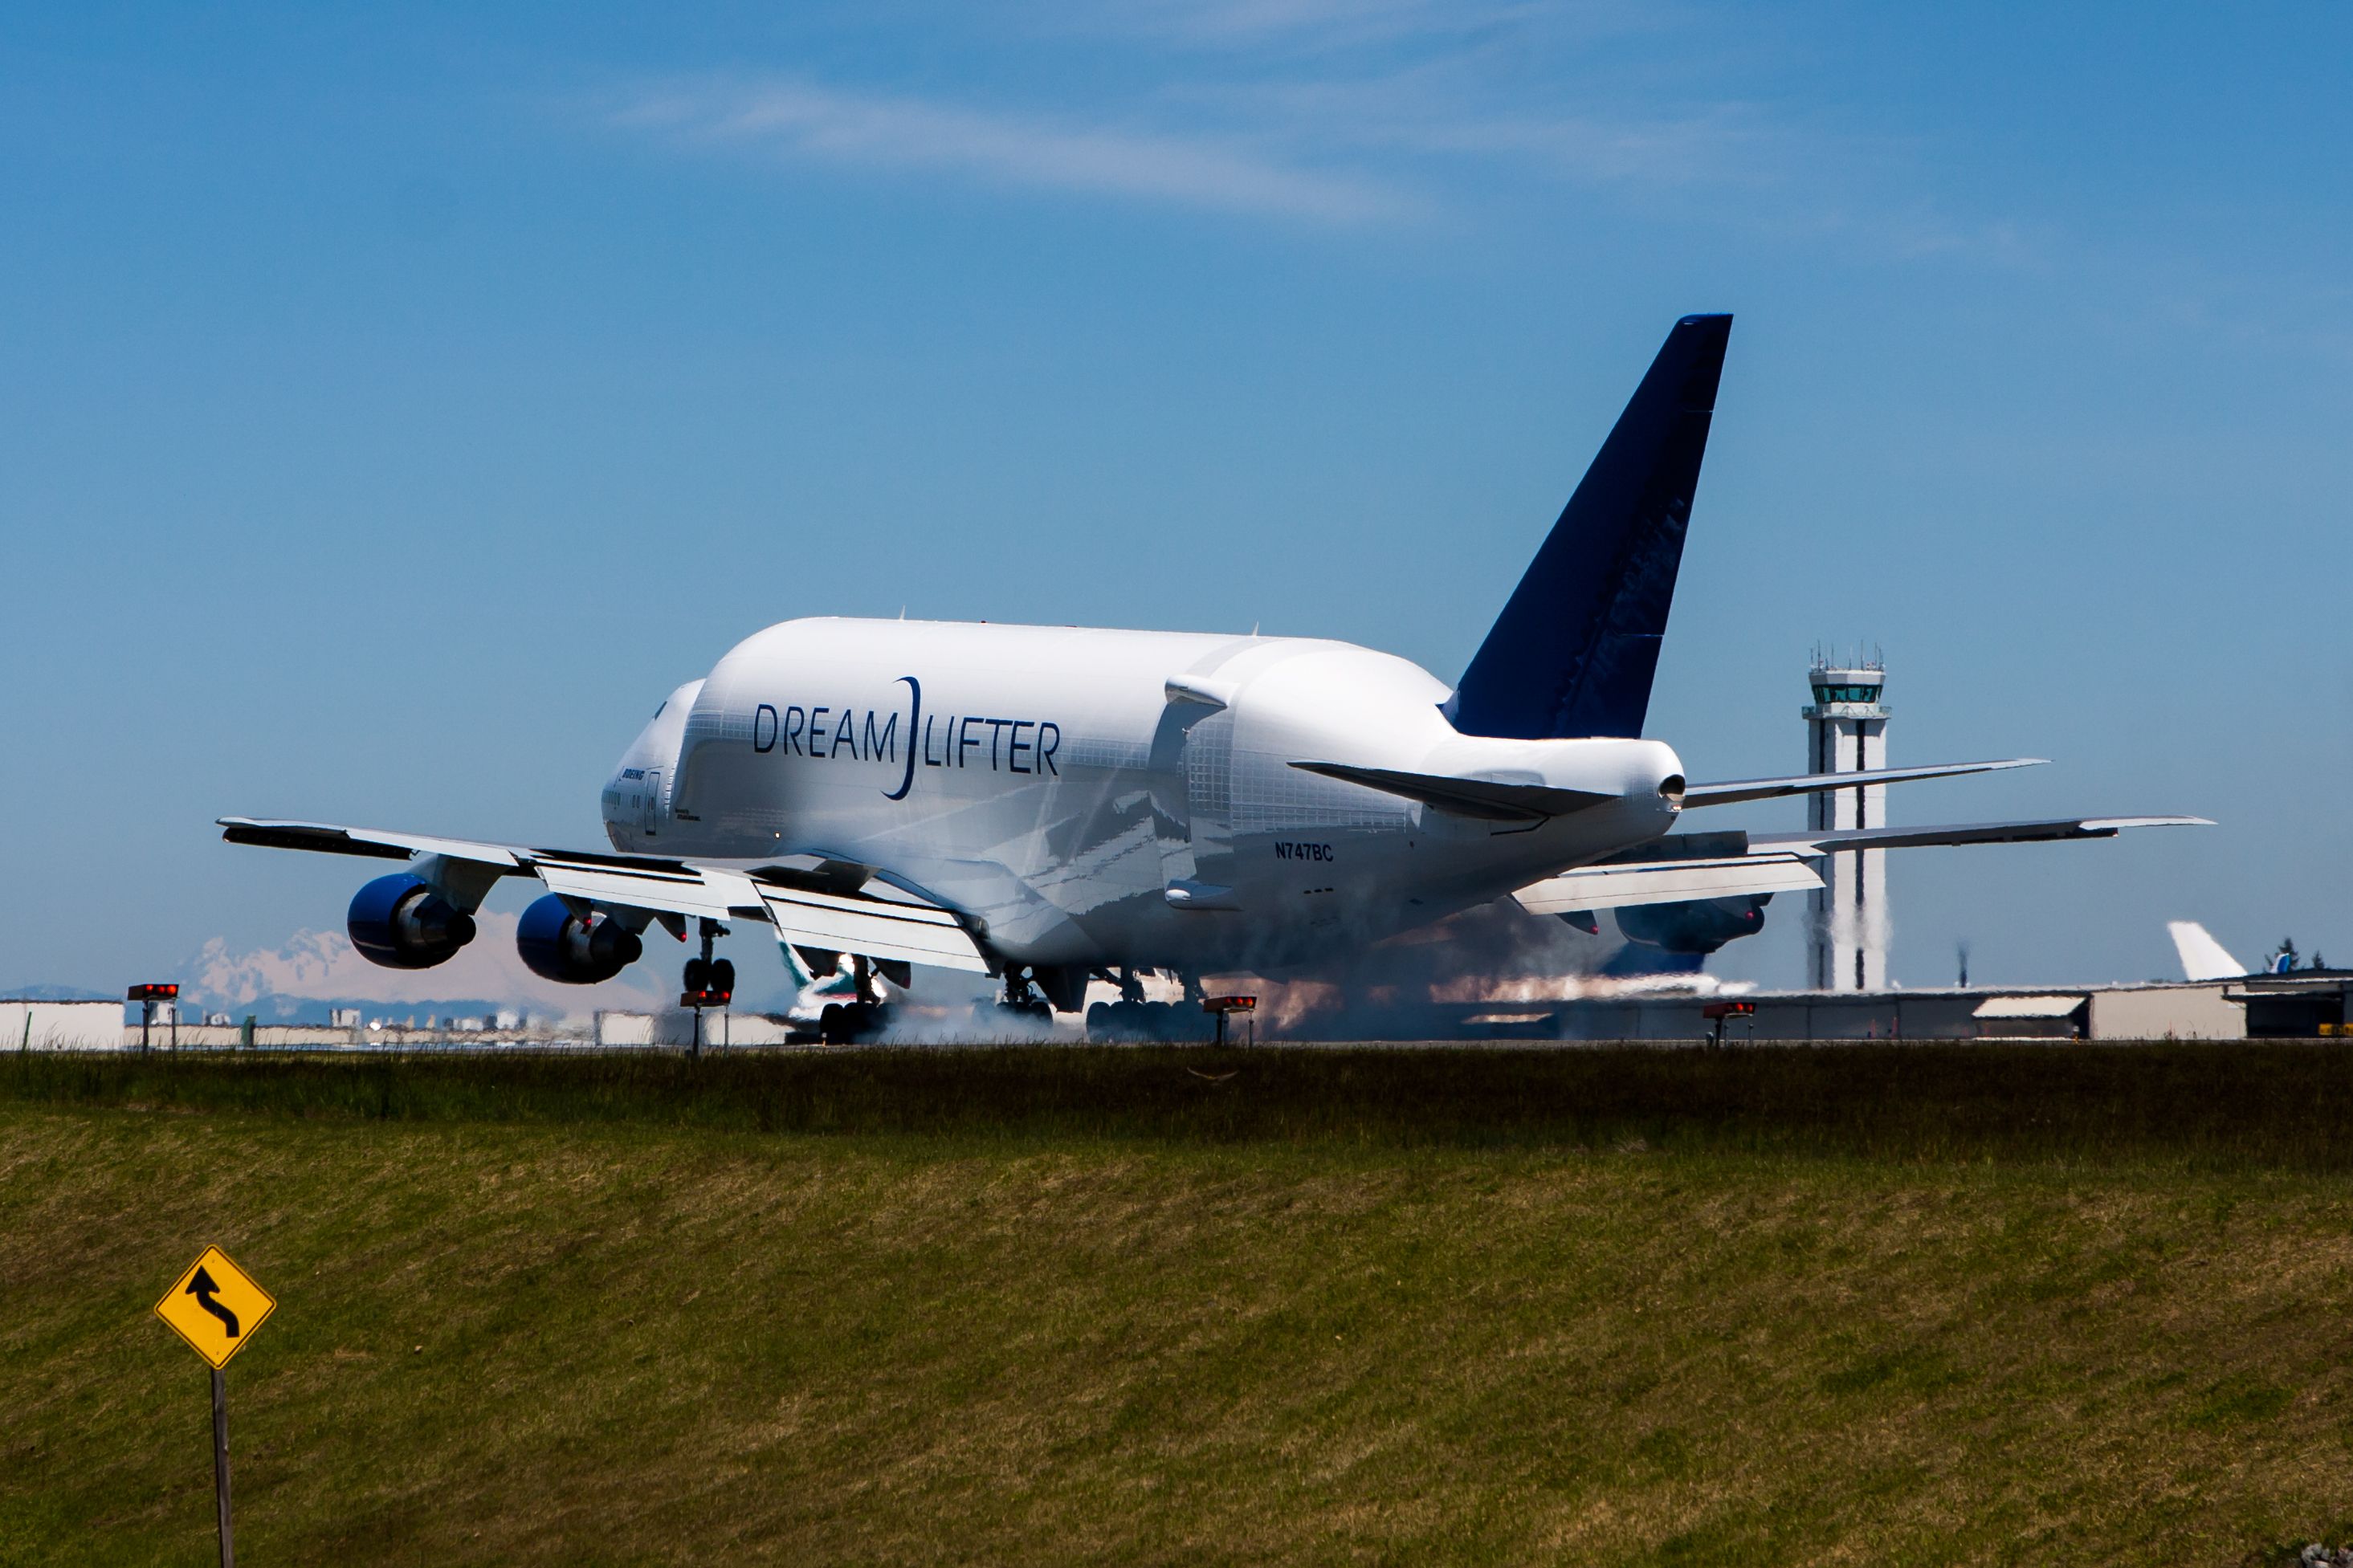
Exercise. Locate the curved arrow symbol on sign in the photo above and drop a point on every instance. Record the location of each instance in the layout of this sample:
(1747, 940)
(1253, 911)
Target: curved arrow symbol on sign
(207, 1293)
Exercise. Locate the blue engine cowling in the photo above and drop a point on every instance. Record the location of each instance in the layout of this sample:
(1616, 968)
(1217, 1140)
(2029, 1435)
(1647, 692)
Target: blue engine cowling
(1696, 925)
(401, 924)
(559, 945)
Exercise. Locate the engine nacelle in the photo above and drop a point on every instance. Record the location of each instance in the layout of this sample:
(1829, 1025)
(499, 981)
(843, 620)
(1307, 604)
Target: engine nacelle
(559, 945)
(1696, 925)
(402, 924)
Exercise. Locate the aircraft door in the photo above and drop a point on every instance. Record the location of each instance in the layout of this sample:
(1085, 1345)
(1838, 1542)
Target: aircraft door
(651, 816)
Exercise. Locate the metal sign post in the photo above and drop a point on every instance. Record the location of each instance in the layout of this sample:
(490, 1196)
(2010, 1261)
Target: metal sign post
(220, 1467)
(216, 1306)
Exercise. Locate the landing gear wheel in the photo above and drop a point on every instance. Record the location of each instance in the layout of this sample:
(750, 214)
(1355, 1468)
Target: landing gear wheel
(851, 1023)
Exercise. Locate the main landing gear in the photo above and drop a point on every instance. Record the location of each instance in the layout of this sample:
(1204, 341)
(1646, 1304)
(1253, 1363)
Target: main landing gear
(848, 1022)
(1132, 1020)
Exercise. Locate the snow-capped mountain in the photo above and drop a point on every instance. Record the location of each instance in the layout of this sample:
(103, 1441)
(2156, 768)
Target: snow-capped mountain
(316, 969)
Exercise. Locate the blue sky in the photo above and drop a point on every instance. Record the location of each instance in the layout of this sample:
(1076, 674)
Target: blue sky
(395, 402)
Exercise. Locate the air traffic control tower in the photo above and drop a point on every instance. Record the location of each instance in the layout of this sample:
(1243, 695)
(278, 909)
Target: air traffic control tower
(1846, 731)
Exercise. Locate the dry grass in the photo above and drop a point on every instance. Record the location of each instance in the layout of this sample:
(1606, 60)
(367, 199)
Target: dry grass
(514, 1331)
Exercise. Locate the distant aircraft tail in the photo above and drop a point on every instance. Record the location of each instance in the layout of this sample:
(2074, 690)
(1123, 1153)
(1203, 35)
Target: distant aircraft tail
(1574, 651)
(2202, 958)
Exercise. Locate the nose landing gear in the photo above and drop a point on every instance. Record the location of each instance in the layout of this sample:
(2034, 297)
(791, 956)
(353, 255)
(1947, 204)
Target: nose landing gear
(1021, 1005)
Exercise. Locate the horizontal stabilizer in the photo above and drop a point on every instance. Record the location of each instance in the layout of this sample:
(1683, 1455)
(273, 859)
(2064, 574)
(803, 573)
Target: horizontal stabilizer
(1739, 790)
(1672, 881)
(2049, 829)
(1488, 800)
(2202, 958)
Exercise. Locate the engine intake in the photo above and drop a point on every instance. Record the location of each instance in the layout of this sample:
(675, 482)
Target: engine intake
(575, 950)
(400, 922)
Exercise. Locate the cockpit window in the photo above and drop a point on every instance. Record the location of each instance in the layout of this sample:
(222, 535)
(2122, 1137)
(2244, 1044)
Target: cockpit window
(663, 708)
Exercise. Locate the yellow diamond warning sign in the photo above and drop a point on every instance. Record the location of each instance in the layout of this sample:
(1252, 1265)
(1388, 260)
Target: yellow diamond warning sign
(216, 1306)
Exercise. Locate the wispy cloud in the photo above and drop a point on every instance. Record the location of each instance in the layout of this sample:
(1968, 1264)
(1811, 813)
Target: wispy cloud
(1355, 112)
(806, 121)
(1440, 112)
(1330, 28)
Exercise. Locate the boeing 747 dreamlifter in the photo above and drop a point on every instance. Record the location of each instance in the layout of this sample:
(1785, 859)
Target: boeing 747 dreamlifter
(1052, 804)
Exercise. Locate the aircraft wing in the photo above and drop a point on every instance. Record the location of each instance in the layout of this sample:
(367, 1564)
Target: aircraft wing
(328, 839)
(1739, 790)
(1695, 866)
(820, 909)
(2046, 830)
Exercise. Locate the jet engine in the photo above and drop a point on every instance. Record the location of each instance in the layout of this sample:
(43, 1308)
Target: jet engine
(575, 949)
(402, 924)
(1696, 925)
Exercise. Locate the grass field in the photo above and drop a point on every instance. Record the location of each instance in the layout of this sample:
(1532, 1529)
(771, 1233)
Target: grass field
(1878, 1305)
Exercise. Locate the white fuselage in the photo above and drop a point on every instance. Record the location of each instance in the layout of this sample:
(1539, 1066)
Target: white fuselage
(1104, 797)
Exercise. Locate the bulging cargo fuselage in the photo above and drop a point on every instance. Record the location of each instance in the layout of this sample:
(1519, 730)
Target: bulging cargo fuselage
(1101, 797)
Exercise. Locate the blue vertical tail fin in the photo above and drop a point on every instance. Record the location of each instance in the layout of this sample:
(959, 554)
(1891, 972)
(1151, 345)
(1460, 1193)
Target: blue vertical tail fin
(1574, 651)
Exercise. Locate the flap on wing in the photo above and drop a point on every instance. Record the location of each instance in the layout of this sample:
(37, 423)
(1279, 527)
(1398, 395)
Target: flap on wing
(1668, 882)
(878, 927)
(2049, 829)
(1488, 800)
(1739, 790)
(700, 892)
